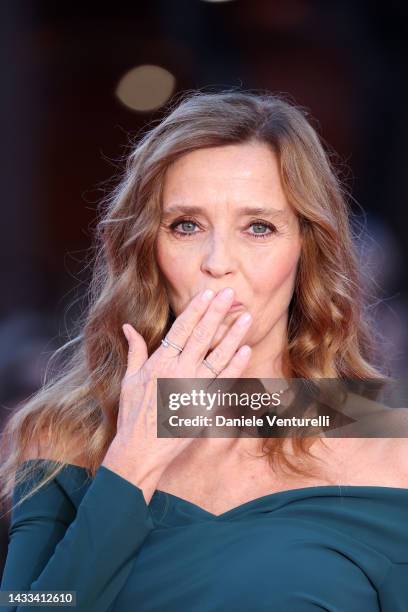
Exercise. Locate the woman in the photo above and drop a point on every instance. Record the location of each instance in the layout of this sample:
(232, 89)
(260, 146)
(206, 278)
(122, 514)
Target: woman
(228, 207)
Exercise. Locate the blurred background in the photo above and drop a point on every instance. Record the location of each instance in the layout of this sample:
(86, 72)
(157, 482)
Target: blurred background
(79, 79)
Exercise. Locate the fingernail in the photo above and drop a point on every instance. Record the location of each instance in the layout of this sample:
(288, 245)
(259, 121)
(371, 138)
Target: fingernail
(244, 351)
(207, 295)
(245, 318)
(226, 293)
(126, 331)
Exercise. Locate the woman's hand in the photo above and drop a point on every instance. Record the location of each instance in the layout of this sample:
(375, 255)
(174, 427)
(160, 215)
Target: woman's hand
(136, 453)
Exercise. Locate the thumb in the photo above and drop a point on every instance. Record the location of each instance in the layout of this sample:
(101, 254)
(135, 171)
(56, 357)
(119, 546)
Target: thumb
(137, 353)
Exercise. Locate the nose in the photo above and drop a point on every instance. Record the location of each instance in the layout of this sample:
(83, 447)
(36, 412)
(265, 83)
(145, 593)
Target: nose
(218, 258)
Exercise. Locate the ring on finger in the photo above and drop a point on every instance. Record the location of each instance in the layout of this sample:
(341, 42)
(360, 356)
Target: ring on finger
(166, 342)
(206, 363)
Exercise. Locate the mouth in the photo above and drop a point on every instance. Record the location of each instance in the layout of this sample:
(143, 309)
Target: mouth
(235, 306)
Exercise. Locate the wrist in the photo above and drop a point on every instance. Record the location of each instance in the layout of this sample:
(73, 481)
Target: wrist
(133, 470)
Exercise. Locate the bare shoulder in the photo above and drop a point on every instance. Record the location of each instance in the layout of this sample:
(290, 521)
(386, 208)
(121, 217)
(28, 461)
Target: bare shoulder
(41, 448)
(397, 446)
(380, 449)
(396, 419)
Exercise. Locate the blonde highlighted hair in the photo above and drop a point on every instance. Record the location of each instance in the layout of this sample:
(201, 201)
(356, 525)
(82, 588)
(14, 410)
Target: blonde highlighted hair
(330, 333)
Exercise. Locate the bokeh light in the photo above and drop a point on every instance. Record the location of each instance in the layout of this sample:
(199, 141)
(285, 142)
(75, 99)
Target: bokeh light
(145, 87)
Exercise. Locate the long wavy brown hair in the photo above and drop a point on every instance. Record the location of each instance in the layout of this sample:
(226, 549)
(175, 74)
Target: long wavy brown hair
(330, 333)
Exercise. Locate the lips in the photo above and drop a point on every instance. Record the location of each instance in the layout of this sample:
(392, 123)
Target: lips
(235, 306)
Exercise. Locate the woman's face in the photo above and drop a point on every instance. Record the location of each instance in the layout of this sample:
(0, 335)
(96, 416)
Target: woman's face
(212, 236)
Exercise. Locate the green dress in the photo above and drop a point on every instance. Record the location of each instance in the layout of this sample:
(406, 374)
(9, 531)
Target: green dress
(333, 548)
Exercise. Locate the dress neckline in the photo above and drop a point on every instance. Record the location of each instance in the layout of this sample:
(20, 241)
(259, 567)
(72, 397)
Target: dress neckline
(163, 503)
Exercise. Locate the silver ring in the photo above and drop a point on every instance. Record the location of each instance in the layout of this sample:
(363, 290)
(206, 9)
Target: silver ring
(205, 362)
(165, 342)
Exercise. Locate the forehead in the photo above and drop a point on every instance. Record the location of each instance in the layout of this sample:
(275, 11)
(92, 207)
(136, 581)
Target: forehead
(237, 175)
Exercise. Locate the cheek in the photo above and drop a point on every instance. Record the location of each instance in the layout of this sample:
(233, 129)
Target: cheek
(272, 281)
(273, 274)
(178, 271)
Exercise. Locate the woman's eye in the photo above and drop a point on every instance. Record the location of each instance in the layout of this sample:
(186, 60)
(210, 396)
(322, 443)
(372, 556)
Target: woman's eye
(261, 229)
(187, 229)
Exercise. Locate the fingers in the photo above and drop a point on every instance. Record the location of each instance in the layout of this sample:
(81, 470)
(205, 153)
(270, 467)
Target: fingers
(222, 354)
(137, 353)
(199, 340)
(238, 363)
(186, 322)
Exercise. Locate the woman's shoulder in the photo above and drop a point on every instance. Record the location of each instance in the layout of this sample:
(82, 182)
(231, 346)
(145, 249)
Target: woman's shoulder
(39, 448)
(399, 443)
(66, 489)
(394, 436)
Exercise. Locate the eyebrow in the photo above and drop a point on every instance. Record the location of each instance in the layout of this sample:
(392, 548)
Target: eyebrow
(243, 210)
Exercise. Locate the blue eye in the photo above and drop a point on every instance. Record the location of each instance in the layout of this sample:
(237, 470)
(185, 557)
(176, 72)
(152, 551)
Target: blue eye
(190, 222)
(184, 223)
(263, 234)
(183, 234)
